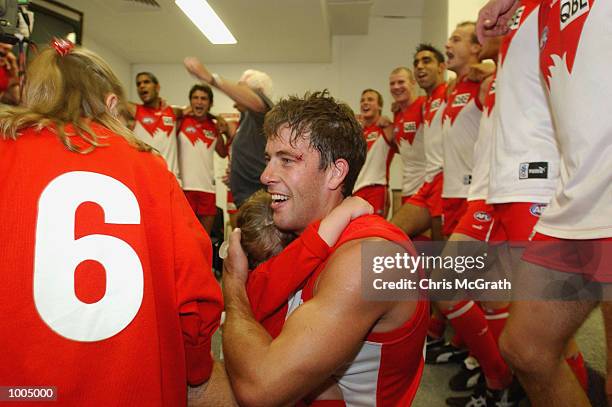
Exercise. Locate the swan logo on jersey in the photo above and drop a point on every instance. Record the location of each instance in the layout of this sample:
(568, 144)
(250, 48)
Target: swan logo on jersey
(571, 10)
(461, 100)
(537, 209)
(515, 22)
(533, 170)
(148, 120)
(482, 216)
(168, 121)
(190, 129)
(410, 127)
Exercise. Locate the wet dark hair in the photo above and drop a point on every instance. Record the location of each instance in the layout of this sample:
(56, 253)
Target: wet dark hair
(428, 47)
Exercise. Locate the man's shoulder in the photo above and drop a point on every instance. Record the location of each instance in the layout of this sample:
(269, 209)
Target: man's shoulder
(371, 227)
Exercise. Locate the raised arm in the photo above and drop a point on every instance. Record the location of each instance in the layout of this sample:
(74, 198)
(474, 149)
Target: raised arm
(238, 92)
(314, 342)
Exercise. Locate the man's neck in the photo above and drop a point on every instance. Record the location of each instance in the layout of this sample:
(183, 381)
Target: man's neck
(403, 105)
(370, 121)
(329, 205)
(432, 89)
(465, 69)
(154, 104)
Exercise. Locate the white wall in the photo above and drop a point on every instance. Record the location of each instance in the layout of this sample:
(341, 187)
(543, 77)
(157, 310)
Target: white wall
(462, 10)
(121, 67)
(358, 62)
(435, 22)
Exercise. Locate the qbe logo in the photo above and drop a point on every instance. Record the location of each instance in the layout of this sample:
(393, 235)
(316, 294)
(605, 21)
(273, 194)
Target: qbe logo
(168, 121)
(461, 100)
(571, 10)
(537, 209)
(435, 105)
(410, 127)
(148, 120)
(482, 216)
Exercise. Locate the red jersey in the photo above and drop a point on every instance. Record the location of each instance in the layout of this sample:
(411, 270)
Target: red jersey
(107, 291)
(388, 368)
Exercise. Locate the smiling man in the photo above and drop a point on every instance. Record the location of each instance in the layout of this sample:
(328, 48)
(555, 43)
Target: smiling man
(315, 150)
(373, 178)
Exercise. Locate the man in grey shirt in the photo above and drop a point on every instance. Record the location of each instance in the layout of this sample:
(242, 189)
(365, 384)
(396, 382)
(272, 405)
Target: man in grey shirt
(252, 92)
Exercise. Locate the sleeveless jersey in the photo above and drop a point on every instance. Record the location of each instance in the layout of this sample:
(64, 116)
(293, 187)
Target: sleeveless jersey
(575, 40)
(459, 133)
(388, 368)
(525, 151)
(107, 290)
(433, 110)
(157, 128)
(408, 136)
(375, 170)
(197, 141)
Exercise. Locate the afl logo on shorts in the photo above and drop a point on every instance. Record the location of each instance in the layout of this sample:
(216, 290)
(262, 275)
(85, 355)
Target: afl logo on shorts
(481, 216)
(148, 120)
(537, 209)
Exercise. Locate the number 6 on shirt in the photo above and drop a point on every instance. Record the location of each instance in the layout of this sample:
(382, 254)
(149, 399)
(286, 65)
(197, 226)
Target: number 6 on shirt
(57, 255)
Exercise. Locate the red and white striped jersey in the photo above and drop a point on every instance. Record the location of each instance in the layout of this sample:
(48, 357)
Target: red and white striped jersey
(459, 133)
(375, 170)
(196, 142)
(433, 111)
(575, 40)
(482, 148)
(408, 136)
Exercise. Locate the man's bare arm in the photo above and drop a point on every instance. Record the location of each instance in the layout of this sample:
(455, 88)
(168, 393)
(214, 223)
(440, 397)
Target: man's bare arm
(318, 338)
(239, 93)
(215, 392)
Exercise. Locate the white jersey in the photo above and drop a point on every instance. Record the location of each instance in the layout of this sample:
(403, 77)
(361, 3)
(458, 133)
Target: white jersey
(197, 141)
(575, 41)
(375, 170)
(482, 148)
(157, 128)
(525, 151)
(433, 110)
(459, 133)
(408, 136)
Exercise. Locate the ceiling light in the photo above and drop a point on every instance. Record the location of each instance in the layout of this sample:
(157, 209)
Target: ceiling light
(204, 17)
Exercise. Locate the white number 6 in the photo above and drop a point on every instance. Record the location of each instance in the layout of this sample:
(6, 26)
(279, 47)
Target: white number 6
(57, 255)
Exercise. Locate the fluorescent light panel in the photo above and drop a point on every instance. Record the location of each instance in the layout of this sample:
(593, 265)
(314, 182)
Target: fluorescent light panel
(204, 17)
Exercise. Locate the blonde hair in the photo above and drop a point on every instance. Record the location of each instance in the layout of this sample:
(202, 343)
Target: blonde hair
(259, 237)
(70, 89)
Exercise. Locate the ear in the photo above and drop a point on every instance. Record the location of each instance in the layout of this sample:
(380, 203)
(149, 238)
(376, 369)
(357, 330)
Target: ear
(476, 48)
(111, 102)
(337, 173)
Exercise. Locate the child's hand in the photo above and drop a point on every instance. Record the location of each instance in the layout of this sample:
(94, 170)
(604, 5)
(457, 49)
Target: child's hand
(355, 207)
(336, 221)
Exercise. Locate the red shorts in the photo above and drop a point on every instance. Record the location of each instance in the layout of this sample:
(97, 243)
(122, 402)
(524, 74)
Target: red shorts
(477, 221)
(376, 195)
(428, 196)
(202, 203)
(452, 212)
(231, 206)
(515, 221)
(591, 258)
